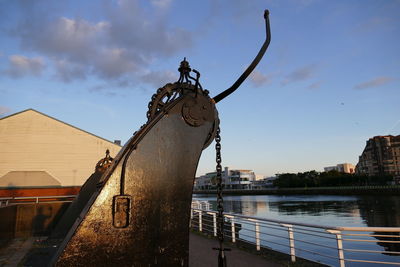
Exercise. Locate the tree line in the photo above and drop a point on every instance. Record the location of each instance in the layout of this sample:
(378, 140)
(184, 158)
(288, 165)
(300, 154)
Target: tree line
(331, 178)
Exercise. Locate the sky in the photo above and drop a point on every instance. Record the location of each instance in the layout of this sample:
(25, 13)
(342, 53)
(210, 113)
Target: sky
(329, 80)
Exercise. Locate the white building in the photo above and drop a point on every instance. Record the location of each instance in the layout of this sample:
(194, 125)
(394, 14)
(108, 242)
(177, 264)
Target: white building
(231, 179)
(344, 167)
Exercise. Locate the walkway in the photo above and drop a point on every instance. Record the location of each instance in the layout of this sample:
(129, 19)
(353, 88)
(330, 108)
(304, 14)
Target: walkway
(201, 254)
(12, 255)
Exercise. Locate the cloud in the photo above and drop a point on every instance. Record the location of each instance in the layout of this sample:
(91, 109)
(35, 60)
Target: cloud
(259, 79)
(162, 4)
(4, 110)
(158, 78)
(300, 74)
(67, 71)
(379, 81)
(120, 46)
(20, 66)
(314, 85)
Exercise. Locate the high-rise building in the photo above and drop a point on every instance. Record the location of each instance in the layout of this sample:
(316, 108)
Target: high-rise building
(381, 156)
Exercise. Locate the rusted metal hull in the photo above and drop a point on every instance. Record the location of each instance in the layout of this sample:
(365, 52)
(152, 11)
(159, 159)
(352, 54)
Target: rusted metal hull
(140, 216)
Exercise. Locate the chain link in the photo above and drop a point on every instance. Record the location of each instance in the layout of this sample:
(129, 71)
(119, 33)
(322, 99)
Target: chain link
(220, 202)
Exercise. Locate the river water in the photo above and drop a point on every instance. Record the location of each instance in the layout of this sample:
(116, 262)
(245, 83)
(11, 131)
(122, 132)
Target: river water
(325, 210)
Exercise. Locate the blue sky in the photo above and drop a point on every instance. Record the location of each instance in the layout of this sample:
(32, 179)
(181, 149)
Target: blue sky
(329, 80)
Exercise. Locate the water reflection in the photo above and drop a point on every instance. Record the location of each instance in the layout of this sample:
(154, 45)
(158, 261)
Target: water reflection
(245, 207)
(315, 208)
(372, 211)
(385, 212)
(380, 211)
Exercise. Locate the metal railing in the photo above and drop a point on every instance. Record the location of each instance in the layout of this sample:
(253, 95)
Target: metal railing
(335, 246)
(331, 188)
(331, 245)
(5, 201)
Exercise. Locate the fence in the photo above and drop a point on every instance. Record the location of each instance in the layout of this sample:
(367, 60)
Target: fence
(346, 190)
(5, 201)
(335, 246)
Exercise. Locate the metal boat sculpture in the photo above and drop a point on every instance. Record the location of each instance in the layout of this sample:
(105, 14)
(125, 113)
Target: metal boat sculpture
(139, 215)
(75, 208)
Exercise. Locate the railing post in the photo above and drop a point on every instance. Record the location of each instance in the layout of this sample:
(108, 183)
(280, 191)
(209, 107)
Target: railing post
(232, 227)
(258, 244)
(191, 217)
(291, 241)
(37, 199)
(339, 245)
(257, 233)
(200, 221)
(215, 223)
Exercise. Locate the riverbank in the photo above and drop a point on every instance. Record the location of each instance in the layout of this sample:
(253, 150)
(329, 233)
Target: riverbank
(343, 190)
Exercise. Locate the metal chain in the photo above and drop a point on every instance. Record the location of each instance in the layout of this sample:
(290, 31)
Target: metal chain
(220, 202)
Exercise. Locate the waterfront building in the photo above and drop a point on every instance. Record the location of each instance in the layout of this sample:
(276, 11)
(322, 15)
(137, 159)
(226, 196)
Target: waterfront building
(266, 182)
(40, 151)
(381, 156)
(231, 179)
(343, 167)
(206, 181)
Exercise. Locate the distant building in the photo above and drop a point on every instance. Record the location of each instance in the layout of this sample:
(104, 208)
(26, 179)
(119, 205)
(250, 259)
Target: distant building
(260, 177)
(266, 182)
(343, 167)
(381, 156)
(40, 151)
(231, 179)
(207, 181)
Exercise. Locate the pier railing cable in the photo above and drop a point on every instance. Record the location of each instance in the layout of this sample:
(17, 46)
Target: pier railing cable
(331, 245)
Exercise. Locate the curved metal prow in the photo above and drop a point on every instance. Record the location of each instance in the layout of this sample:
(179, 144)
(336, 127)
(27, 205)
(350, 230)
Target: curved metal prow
(252, 65)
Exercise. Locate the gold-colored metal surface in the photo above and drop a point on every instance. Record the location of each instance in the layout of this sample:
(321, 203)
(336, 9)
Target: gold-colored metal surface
(121, 211)
(104, 163)
(157, 191)
(195, 111)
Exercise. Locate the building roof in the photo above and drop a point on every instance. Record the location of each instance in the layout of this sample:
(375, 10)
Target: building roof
(28, 179)
(31, 109)
(385, 136)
